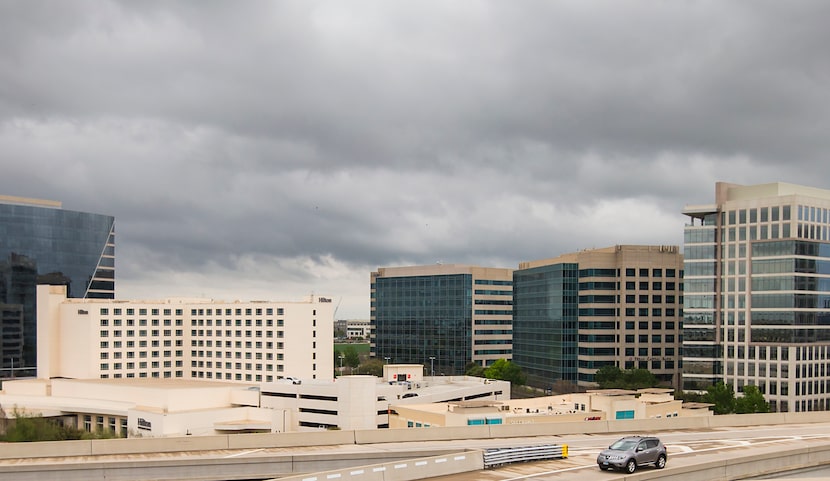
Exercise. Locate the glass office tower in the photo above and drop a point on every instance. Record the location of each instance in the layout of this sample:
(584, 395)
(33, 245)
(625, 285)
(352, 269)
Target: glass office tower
(757, 303)
(40, 243)
(441, 316)
(615, 306)
(545, 322)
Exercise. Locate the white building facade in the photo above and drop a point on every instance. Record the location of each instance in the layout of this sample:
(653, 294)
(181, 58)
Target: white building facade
(757, 293)
(250, 342)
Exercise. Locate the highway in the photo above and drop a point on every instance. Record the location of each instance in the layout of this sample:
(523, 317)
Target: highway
(685, 447)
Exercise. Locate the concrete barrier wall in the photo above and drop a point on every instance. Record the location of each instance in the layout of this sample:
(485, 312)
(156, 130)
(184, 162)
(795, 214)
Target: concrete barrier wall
(283, 440)
(158, 445)
(405, 470)
(372, 436)
(45, 449)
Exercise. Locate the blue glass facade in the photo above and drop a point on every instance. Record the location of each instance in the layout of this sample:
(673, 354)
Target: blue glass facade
(47, 245)
(545, 318)
(419, 317)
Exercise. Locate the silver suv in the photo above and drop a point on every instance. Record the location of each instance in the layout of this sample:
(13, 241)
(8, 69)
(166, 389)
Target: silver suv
(630, 452)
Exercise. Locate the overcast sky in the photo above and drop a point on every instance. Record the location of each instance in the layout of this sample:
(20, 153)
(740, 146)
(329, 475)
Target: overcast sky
(268, 150)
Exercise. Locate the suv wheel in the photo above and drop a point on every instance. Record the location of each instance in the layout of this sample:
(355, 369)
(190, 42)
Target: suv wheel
(661, 462)
(630, 466)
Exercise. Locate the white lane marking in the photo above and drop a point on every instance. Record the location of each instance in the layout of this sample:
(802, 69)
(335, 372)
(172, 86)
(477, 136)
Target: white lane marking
(245, 453)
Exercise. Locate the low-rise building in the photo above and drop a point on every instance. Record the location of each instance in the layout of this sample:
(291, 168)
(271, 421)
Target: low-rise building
(599, 405)
(363, 402)
(152, 407)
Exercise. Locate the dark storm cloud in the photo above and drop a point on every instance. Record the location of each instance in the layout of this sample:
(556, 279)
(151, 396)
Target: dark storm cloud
(301, 144)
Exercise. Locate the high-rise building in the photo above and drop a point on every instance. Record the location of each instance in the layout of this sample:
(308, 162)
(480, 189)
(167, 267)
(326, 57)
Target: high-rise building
(757, 304)
(619, 306)
(255, 341)
(41, 243)
(441, 316)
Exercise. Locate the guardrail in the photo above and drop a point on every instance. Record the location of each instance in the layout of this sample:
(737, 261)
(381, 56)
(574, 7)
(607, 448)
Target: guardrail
(499, 456)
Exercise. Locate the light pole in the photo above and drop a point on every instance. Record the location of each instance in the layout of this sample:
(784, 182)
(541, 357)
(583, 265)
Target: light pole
(432, 365)
(386, 358)
(341, 364)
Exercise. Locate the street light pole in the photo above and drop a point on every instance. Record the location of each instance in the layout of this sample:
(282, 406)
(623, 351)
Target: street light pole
(386, 358)
(432, 365)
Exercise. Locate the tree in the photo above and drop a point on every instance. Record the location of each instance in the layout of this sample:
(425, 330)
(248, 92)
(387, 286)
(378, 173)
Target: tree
(28, 427)
(722, 396)
(474, 369)
(640, 378)
(352, 358)
(506, 371)
(751, 402)
(608, 376)
(611, 377)
(372, 367)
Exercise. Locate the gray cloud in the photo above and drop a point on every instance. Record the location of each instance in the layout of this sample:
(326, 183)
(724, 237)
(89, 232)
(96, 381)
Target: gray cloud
(277, 148)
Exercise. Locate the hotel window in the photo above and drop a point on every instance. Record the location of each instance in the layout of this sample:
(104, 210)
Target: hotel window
(104, 311)
(104, 344)
(130, 311)
(105, 333)
(116, 311)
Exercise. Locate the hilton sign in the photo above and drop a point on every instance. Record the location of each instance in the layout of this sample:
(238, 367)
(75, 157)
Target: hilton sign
(145, 424)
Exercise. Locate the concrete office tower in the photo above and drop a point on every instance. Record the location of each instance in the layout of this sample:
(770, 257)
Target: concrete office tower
(618, 306)
(441, 316)
(40, 243)
(757, 308)
(254, 341)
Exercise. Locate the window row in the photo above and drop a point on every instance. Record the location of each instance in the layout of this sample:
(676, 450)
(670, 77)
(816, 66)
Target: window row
(130, 311)
(655, 286)
(643, 272)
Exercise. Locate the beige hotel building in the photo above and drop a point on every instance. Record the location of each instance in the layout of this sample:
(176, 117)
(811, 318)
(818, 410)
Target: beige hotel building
(252, 342)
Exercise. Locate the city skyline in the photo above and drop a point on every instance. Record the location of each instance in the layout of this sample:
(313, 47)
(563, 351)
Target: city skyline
(270, 150)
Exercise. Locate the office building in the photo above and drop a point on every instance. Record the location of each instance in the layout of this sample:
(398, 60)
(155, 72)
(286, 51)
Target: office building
(585, 407)
(150, 407)
(441, 316)
(254, 341)
(757, 303)
(365, 402)
(41, 243)
(618, 306)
